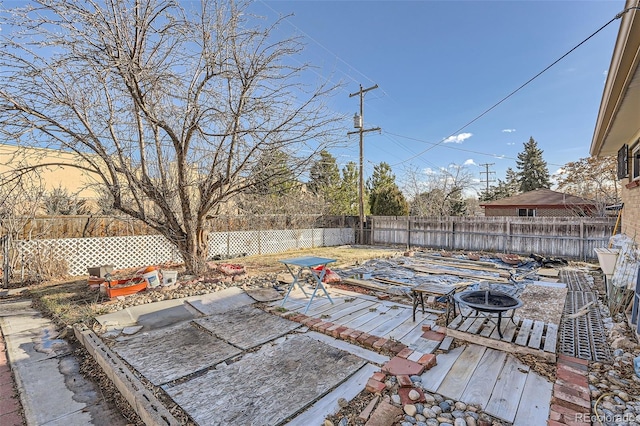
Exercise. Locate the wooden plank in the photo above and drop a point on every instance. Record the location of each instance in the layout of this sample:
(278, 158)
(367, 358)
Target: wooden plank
(477, 324)
(466, 324)
(470, 266)
(425, 346)
(366, 284)
(409, 325)
(534, 404)
(445, 345)
(328, 405)
(460, 274)
(508, 390)
(525, 331)
(363, 353)
(548, 272)
(383, 317)
(433, 377)
(489, 328)
(412, 335)
(500, 345)
(536, 335)
(550, 340)
(372, 312)
(318, 305)
(484, 378)
(509, 329)
(343, 320)
(342, 308)
(388, 326)
(458, 377)
(465, 261)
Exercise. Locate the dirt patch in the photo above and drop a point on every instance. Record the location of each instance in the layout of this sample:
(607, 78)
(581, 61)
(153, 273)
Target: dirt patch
(542, 303)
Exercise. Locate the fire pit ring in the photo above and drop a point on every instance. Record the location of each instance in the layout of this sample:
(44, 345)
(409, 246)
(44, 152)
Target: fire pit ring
(489, 301)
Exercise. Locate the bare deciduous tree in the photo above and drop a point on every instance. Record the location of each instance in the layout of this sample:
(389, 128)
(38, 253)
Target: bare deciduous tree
(171, 108)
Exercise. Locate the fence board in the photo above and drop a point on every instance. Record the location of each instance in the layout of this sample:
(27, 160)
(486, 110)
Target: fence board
(550, 236)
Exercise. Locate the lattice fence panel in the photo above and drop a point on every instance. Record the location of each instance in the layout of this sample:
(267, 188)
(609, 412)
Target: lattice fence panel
(336, 237)
(135, 251)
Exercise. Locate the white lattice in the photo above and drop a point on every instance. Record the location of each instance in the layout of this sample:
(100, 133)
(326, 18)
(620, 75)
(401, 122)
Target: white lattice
(142, 250)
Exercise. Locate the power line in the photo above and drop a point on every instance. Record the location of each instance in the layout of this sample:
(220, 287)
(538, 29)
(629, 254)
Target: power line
(492, 107)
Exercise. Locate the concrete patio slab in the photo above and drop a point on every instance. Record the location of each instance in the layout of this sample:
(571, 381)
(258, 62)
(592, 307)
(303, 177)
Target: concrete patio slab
(173, 352)
(247, 327)
(292, 375)
(221, 301)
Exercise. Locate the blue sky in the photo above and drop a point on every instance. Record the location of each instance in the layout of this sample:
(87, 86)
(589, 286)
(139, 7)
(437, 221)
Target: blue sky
(440, 64)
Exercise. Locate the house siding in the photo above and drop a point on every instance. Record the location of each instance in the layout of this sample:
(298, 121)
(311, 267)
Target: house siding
(540, 212)
(630, 216)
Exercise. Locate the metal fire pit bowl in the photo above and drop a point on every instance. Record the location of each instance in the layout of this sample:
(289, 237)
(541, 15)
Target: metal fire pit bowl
(493, 302)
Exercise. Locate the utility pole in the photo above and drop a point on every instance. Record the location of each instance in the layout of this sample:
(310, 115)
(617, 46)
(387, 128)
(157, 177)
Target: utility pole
(488, 173)
(358, 121)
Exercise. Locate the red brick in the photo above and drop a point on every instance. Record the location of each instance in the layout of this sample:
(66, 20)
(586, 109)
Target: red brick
(344, 333)
(433, 335)
(572, 370)
(9, 405)
(397, 347)
(384, 415)
(364, 415)
(383, 296)
(12, 419)
(375, 386)
(387, 346)
(353, 337)
(323, 328)
(575, 404)
(554, 423)
(315, 326)
(577, 393)
(426, 327)
(5, 376)
(370, 341)
(397, 365)
(403, 393)
(297, 317)
(331, 329)
(404, 381)
(379, 343)
(379, 376)
(309, 322)
(428, 360)
(363, 338)
(337, 331)
(405, 353)
(570, 377)
(569, 359)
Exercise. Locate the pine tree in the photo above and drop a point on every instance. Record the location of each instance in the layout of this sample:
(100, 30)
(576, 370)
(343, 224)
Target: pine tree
(324, 174)
(385, 198)
(532, 169)
(345, 199)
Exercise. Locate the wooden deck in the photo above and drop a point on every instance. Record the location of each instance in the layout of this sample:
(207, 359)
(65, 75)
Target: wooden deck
(473, 373)
(365, 313)
(521, 335)
(503, 386)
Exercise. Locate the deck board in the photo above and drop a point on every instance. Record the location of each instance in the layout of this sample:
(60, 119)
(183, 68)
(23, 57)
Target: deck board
(484, 378)
(536, 335)
(432, 378)
(508, 390)
(458, 377)
(534, 404)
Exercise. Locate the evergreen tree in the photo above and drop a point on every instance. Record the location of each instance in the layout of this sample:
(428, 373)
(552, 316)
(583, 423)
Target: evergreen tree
(324, 174)
(532, 169)
(385, 198)
(345, 199)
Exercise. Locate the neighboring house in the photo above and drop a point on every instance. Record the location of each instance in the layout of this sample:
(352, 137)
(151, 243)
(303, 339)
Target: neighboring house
(617, 131)
(76, 181)
(539, 203)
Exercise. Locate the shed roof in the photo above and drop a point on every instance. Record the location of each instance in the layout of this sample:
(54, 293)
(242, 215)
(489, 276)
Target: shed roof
(540, 197)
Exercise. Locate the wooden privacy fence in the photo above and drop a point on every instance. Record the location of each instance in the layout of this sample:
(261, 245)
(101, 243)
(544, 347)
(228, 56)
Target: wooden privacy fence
(568, 237)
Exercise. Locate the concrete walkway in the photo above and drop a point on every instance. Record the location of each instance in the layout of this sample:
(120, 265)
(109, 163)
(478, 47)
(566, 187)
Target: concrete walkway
(47, 375)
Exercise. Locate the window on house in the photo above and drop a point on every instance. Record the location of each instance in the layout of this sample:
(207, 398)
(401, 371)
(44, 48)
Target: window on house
(526, 212)
(635, 164)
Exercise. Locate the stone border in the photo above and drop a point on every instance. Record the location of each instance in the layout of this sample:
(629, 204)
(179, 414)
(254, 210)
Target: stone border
(571, 400)
(144, 403)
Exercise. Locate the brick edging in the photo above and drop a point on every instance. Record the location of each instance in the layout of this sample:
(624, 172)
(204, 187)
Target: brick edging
(571, 400)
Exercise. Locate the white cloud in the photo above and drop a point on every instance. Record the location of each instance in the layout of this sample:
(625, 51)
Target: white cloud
(511, 143)
(428, 171)
(508, 130)
(458, 138)
(470, 162)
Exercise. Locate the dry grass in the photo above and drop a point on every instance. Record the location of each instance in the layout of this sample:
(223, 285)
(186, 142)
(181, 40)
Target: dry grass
(71, 301)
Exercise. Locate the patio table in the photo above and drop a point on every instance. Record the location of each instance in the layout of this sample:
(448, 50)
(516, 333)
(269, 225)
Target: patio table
(302, 263)
(437, 290)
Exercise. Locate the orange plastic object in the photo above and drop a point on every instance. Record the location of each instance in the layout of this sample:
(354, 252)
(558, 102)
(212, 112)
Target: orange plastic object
(117, 288)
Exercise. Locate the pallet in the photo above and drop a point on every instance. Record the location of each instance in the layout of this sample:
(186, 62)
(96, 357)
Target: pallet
(524, 337)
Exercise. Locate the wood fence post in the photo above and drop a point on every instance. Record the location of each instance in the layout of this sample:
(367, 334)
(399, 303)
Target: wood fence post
(583, 254)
